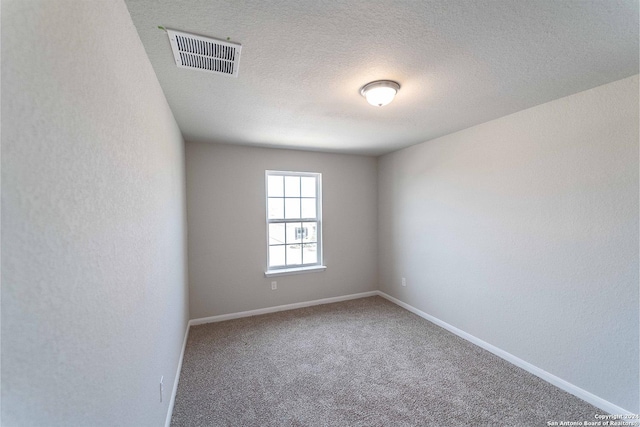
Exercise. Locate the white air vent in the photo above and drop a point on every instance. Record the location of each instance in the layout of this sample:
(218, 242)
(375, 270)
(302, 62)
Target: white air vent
(205, 54)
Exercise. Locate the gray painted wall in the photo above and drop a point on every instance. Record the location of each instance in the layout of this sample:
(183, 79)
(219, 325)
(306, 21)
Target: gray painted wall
(94, 297)
(523, 232)
(227, 230)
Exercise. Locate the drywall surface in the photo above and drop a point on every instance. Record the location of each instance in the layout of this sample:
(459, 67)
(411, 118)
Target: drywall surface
(227, 227)
(459, 63)
(523, 232)
(94, 297)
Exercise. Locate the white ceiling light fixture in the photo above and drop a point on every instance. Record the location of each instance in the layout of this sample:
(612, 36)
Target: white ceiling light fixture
(380, 92)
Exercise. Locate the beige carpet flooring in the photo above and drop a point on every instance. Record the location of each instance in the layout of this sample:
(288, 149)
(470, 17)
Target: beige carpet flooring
(364, 362)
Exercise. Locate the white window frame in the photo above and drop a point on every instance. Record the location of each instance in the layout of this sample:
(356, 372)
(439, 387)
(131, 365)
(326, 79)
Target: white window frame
(303, 268)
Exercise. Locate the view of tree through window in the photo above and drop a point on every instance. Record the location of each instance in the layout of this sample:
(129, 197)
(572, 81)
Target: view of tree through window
(293, 219)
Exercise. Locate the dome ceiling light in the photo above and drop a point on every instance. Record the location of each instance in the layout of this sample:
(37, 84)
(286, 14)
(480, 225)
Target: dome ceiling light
(380, 92)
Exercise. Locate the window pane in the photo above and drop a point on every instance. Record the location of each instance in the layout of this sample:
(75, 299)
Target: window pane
(275, 186)
(295, 232)
(276, 208)
(292, 186)
(293, 243)
(292, 208)
(276, 234)
(276, 256)
(308, 208)
(294, 254)
(311, 232)
(310, 253)
(308, 185)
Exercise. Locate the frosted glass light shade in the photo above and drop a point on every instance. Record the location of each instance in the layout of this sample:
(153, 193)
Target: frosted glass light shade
(380, 92)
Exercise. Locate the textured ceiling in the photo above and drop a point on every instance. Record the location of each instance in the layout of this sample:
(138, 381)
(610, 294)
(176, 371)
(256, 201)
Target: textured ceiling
(459, 62)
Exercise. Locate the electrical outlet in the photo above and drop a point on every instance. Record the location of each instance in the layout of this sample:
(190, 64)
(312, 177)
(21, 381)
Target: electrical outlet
(404, 282)
(274, 286)
(161, 387)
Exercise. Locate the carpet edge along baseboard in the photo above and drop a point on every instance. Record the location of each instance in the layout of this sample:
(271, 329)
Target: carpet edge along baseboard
(514, 360)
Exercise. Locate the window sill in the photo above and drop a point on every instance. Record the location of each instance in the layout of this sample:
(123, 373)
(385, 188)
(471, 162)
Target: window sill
(287, 271)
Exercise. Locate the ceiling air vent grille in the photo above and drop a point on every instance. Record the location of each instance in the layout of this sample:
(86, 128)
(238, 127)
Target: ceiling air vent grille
(204, 54)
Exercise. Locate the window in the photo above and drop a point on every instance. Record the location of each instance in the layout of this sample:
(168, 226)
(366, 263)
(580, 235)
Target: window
(294, 227)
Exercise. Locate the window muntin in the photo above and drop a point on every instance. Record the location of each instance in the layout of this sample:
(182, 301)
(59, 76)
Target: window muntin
(294, 228)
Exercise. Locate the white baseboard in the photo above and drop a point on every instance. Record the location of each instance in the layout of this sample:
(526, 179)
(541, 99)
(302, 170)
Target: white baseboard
(167, 421)
(277, 308)
(541, 373)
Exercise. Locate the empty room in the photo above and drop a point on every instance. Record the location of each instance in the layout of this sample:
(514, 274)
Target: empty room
(320, 213)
